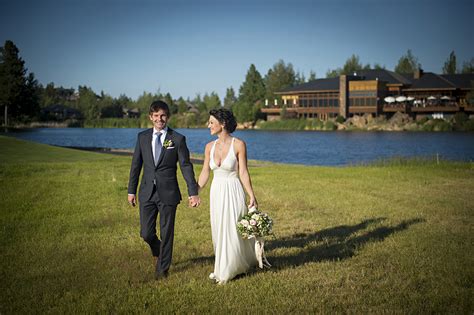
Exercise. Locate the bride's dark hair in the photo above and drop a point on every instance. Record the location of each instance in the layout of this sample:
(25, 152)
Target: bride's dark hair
(225, 117)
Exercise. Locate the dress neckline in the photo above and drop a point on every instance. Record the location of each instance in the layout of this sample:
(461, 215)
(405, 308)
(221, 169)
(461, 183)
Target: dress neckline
(227, 155)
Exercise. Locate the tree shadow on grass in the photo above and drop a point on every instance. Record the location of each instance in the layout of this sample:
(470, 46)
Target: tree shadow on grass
(333, 244)
(183, 265)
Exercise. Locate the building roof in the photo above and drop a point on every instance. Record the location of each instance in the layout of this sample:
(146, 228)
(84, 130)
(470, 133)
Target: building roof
(431, 80)
(385, 75)
(427, 81)
(315, 85)
(462, 81)
(333, 83)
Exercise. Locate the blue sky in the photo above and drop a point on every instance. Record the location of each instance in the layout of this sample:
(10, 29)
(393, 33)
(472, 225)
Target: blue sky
(190, 47)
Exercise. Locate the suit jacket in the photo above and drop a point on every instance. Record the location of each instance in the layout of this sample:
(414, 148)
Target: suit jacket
(164, 173)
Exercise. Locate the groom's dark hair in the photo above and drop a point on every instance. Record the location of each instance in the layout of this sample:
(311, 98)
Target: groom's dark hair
(225, 117)
(156, 106)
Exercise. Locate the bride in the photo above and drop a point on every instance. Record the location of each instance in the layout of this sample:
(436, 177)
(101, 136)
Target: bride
(227, 158)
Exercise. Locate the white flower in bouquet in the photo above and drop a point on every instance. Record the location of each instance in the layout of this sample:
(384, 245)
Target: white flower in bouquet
(255, 224)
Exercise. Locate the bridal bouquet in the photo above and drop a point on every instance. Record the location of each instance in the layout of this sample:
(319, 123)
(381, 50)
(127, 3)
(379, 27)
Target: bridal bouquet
(256, 224)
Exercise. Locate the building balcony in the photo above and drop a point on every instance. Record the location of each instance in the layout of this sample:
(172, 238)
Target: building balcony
(300, 110)
(362, 109)
(277, 110)
(435, 108)
(392, 108)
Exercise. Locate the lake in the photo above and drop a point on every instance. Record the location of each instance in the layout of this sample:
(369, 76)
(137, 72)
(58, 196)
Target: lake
(296, 147)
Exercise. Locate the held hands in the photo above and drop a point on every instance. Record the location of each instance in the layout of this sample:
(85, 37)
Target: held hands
(194, 201)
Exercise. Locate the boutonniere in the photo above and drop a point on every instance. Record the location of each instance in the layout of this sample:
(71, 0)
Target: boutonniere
(168, 144)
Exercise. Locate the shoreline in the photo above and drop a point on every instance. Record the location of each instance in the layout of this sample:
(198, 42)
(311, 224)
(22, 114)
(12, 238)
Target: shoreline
(398, 122)
(197, 159)
(121, 152)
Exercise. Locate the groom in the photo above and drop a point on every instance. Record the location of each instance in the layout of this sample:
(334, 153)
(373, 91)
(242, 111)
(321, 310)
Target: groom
(158, 150)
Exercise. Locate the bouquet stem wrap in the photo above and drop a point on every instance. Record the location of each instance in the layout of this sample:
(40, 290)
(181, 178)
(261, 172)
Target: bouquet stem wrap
(260, 253)
(256, 224)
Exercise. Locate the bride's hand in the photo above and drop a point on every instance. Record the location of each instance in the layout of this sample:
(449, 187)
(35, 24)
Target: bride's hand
(253, 203)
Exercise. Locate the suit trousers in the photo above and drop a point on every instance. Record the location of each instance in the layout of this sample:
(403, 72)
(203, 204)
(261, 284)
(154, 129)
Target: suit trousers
(163, 249)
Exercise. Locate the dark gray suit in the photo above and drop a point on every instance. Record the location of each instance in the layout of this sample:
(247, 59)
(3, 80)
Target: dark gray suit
(159, 190)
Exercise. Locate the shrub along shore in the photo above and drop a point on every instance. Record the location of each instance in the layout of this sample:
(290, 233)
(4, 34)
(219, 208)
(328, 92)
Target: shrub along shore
(367, 122)
(392, 237)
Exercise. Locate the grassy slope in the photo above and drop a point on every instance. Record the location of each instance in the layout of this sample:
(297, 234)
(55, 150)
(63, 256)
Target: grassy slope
(374, 239)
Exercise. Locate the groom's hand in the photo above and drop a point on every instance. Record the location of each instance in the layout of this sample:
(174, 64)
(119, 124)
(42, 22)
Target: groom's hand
(132, 200)
(194, 201)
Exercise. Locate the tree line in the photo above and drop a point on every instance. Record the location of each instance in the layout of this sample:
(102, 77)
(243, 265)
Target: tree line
(23, 99)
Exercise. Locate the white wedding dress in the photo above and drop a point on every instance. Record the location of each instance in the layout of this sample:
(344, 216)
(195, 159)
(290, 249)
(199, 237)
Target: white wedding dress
(234, 255)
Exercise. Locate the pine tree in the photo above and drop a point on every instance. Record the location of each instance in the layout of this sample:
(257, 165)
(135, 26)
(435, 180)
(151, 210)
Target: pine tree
(18, 91)
(251, 94)
(253, 88)
(212, 101)
(352, 65)
(172, 106)
(407, 64)
(278, 78)
(468, 66)
(230, 98)
(450, 64)
(182, 106)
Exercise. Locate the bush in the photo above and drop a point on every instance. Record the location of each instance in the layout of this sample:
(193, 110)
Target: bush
(316, 124)
(340, 119)
(329, 125)
(437, 125)
(460, 118)
(443, 126)
(287, 124)
(116, 123)
(422, 121)
(468, 125)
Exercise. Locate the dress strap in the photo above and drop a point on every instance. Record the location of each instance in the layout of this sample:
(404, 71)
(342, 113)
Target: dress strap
(213, 149)
(232, 146)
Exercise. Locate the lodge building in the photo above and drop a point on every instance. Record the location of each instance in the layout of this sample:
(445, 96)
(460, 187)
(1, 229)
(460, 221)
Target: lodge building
(376, 92)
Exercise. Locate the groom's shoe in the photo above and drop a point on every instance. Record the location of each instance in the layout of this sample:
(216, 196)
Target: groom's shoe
(161, 275)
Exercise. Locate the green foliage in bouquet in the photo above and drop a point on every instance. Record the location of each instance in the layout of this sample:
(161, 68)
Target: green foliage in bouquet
(255, 224)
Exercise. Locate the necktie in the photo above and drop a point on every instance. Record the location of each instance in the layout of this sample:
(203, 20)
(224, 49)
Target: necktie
(158, 147)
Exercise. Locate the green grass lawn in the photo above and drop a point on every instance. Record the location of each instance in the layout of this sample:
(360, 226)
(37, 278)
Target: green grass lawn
(395, 238)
